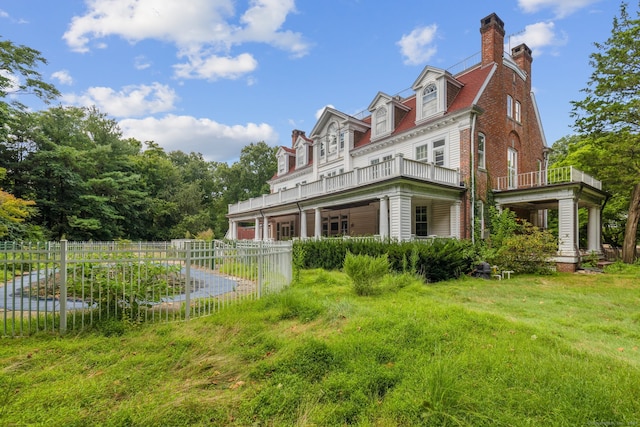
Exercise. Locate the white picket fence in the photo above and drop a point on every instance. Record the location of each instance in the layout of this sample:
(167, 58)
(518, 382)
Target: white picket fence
(62, 286)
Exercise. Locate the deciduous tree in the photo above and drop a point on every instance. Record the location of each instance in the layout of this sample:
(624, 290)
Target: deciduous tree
(609, 116)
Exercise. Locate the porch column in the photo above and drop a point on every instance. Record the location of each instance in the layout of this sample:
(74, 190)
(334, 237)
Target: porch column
(265, 229)
(318, 229)
(233, 226)
(400, 216)
(454, 219)
(256, 234)
(303, 225)
(384, 217)
(567, 228)
(594, 228)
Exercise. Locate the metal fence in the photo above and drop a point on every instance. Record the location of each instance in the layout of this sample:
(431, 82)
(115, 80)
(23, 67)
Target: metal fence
(62, 286)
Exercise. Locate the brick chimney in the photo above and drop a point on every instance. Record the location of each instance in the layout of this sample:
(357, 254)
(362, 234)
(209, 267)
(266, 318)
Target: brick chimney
(294, 136)
(521, 54)
(492, 30)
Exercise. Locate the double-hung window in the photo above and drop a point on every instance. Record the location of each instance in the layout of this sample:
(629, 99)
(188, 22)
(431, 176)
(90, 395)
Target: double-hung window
(421, 223)
(422, 153)
(429, 100)
(509, 106)
(381, 120)
(481, 151)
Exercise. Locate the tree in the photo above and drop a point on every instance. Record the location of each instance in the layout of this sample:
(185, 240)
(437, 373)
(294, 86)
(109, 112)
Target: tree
(18, 76)
(13, 210)
(608, 116)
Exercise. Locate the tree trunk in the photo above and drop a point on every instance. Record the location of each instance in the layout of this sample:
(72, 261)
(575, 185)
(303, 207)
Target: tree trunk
(631, 228)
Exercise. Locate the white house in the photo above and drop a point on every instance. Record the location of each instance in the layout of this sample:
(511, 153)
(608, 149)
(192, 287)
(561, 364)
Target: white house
(428, 163)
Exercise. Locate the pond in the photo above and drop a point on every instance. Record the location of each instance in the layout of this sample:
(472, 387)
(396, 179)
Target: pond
(206, 284)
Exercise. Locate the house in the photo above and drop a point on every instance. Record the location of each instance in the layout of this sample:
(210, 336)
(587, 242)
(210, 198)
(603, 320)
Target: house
(428, 163)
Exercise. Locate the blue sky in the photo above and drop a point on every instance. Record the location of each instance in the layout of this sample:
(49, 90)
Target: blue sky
(212, 76)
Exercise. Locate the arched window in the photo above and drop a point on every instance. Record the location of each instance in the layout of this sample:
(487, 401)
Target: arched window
(381, 120)
(332, 137)
(429, 100)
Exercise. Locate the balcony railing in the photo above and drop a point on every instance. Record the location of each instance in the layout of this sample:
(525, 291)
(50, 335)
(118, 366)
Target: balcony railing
(546, 177)
(393, 168)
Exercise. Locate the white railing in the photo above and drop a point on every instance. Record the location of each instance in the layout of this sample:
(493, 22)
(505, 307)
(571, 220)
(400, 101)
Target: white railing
(393, 168)
(546, 177)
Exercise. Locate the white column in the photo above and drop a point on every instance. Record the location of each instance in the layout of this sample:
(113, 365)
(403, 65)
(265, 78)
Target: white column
(400, 216)
(233, 225)
(318, 229)
(567, 220)
(384, 217)
(265, 229)
(594, 230)
(256, 236)
(303, 225)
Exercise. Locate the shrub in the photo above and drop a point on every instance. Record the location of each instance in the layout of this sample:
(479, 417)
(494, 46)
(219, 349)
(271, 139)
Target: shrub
(365, 271)
(528, 249)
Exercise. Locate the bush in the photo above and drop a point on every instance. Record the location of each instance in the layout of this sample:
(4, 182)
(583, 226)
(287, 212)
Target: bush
(434, 259)
(365, 271)
(519, 246)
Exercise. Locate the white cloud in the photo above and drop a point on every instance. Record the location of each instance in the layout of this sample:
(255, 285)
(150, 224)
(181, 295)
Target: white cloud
(215, 141)
(201, 30)
(141, 62)
(63, 77)
(215, 67)
(134, 100)
(417, 47)
(321, 110)
(561, 8)
(538, 37)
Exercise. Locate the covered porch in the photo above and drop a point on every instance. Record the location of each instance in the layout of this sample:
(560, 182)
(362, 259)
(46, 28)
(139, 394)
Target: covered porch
(399, 208)
(565, 190)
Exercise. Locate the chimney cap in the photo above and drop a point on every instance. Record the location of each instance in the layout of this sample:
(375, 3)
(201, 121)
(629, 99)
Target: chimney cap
(491, 20)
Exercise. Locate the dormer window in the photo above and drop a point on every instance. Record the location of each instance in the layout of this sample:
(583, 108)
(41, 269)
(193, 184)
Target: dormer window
(429, 100)
(300, 156)
(381, 120)
(282, 165)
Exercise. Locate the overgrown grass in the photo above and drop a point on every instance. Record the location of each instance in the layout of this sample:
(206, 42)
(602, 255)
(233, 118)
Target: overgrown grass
(530, 351)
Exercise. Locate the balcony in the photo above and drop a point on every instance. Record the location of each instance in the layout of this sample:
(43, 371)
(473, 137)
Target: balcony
(543, 178)
(398, 167)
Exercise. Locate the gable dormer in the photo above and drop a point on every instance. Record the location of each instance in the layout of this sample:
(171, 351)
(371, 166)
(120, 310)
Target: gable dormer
(386, 112)
(435, 90)
(302, 151)
(285, 157)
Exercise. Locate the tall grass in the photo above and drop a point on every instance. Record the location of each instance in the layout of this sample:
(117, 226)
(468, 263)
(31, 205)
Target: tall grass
(557, 350)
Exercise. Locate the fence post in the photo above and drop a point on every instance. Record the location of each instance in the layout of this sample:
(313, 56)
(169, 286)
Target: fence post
(187, 278)
(63, 286)
(260, 256)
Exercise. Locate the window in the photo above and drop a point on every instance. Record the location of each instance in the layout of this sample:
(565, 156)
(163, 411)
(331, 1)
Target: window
(509, 106)
(429, 100)
(386, 171)
(332, 138)
(517, 111)
(300, 157)
(381, 121)
(375, 168)
(341, 140)
(422, 153)
(512, 168)
(438, 152)
(282, 164)
(481, 155)
(322, 148)
(422, 226)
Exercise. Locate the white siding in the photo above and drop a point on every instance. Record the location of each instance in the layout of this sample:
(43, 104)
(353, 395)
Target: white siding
(440, 220)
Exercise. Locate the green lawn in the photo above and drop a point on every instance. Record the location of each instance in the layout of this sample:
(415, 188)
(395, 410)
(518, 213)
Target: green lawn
(531, 351)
